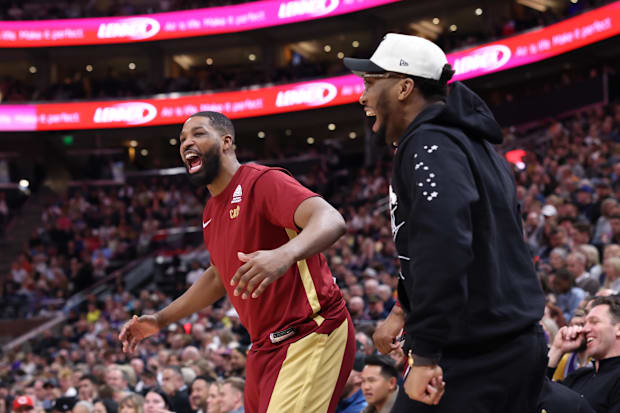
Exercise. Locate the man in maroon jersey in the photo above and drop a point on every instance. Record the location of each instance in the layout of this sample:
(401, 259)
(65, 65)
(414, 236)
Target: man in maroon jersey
(265, 232)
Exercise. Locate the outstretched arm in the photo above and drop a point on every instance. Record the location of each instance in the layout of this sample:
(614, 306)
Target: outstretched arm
(204, 292)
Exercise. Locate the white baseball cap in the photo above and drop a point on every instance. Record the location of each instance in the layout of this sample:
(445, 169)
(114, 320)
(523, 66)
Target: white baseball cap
(400, 53)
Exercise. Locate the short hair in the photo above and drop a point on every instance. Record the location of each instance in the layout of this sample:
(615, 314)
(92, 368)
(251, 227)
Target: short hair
(176, 369)
(236, 383)
(388, 368)
(613, 301)
(219, 121)
(560, 251)
(162, 394)
(583, 227)
(206, 379)
(88, 405)
(432, 89)
(90, 377)
(563, 274)
(579, 256)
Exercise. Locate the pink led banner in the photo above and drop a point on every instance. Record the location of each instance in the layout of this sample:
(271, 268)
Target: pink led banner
(537, 45)
(174, 25)
(519, 50)
(149, 112)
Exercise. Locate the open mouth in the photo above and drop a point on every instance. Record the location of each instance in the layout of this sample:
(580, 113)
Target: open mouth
(589, 340)
(194, 162)
(372, 120)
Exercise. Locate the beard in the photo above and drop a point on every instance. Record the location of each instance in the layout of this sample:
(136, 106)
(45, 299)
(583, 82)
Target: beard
(210, 168)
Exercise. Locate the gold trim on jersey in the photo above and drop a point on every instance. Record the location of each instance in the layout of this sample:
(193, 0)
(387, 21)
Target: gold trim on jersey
(306, 279)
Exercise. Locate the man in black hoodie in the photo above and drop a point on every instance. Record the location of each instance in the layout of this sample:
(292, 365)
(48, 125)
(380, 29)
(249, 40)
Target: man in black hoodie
(468, 289)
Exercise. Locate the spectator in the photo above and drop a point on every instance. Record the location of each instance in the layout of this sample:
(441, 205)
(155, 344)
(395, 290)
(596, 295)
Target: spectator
(105, 406)
(172, 383)
(600, 384)
(134, 403)
(214, 400)
(352, 399)
(231, 395)
(199, 394)
(576, 265)
(611, 274)
(117, 379)
(87, 407)
(379, 384)
(22, 404)
(156, 401)
(568, 297)
(577, 359)
(87, 389)
(237, 361)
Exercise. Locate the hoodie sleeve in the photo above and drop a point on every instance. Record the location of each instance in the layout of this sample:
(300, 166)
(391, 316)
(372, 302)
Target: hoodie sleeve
(439, 225)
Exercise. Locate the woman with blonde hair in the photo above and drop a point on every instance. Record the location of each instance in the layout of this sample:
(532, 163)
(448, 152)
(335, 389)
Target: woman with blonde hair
(611, 267)
(134, 403)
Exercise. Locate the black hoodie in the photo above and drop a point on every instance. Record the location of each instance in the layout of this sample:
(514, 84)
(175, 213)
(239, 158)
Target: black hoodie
(467, 277)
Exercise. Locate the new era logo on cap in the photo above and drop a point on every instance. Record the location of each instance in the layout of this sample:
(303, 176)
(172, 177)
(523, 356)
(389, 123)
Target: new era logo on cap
(400, 53)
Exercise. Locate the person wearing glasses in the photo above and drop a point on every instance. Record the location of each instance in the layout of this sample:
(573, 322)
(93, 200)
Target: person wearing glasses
(468, 290)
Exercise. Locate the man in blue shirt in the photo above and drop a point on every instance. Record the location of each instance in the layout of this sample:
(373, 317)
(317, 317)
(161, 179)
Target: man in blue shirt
(353, 400)
(568, 297)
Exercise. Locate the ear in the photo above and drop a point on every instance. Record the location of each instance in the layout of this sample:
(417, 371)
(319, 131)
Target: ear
(393, 382)
(405, 88)
(227, 143)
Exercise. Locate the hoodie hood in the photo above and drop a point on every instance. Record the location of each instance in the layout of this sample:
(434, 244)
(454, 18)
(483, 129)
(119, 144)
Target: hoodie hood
(465, 110)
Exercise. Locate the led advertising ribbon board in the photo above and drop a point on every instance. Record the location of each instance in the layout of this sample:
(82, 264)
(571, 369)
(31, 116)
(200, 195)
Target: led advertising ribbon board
(519, 50)
(174, 25)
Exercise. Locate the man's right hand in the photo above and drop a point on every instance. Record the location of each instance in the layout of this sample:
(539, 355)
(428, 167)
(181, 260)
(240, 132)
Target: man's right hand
(137, 329)
(567, 339)
(386, 333)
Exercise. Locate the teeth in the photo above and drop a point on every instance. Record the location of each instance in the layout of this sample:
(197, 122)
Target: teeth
(190, 155)
(370, 113)
(589, 339)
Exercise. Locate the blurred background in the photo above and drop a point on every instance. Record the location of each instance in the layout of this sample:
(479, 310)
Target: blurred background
(99, 223)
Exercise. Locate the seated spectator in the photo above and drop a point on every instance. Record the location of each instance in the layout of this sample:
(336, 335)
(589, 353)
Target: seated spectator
(600, 384)
(352, 399)
(576, 359)
(568, 297)
(576, 265)
(200, 393)
(238, 358)
(87, 389)
(379, 384)
(231, 395)
(214, 400)
(105, 406)
(156, 401)
(173, 385)
(611, 273)
(134, 403)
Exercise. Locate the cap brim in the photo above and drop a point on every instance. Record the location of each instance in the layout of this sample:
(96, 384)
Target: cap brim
(361, 66)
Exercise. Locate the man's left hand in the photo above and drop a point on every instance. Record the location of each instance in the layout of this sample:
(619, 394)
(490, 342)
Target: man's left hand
(425, 384)
(260, 269)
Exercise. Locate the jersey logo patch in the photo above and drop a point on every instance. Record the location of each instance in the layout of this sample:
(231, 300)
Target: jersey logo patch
(237, 195)
(234, 213)
(204, 224)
